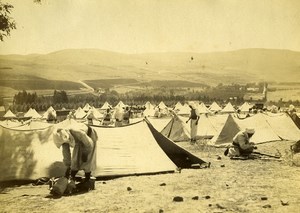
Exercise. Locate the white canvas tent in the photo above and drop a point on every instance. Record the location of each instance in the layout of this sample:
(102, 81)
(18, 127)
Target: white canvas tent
(177, 106)
(86, 107)
(227, 132)
(202, 109)
(283, 125)
(79, 113)
(263, 131)
(177, 129)
(120, 105)
(32, 154)
(32, 113)
(184, 110)
(9, 114)
(245, 107)
(214, 107)
(106, 106)
(228, 108)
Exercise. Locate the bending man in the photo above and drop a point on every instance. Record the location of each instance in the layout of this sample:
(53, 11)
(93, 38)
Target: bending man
(83, 139)
(241, 144)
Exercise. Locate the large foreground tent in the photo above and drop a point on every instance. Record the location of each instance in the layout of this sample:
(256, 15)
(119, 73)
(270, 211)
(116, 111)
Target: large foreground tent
(31, 154)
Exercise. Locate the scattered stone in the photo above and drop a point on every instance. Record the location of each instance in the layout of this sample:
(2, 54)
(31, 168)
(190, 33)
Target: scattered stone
(103, 182)
(195, 198)
(210, 205)
(219, 157)
(284, 202)
(222, 165)
(207, 197)
(161, 211)
(162, 184)
(178, 199)
(267, 206)
(264, 198)
(129, 188)
(220, 207)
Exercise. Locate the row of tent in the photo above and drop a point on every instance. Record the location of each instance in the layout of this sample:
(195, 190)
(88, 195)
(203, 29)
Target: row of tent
(129, 150)
(150, 109)
(220, 128)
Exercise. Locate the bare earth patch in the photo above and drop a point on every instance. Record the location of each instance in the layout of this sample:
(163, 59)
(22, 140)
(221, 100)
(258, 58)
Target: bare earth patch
(227, 186)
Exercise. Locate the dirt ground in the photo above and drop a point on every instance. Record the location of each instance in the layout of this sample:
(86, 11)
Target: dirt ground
(227, 186)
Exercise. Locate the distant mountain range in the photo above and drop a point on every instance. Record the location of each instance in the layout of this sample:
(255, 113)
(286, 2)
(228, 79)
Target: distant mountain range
(241, 66)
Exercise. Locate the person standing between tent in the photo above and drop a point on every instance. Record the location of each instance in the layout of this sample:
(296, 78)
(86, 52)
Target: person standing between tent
(83, 139)
(242, 147)
(119, 115)
(194, 117)
(107, 117)
(126, 116)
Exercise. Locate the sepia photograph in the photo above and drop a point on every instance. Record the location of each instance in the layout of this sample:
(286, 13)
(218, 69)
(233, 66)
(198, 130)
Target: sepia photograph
(149, 106)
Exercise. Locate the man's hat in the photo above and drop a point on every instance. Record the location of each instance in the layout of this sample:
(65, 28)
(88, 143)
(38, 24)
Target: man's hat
(250, 130)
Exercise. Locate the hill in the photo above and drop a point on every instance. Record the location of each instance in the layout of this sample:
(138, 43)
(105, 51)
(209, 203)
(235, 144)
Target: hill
(247, 65)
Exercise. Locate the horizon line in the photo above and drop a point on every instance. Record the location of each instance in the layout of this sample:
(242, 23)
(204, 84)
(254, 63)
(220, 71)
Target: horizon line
(141, 53)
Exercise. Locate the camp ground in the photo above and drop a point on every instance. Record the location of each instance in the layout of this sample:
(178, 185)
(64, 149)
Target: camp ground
(31, 154)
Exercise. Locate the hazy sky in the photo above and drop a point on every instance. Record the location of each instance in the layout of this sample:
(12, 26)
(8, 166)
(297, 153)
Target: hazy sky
(135, 26)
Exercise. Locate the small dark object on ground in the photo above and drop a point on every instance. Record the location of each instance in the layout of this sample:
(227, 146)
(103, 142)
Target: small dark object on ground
(264, 198)
(267, 206)
(178, 199)
(195, 198)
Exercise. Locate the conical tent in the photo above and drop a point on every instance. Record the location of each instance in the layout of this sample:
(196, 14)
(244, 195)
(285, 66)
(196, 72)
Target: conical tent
(214, 107)
(162, 105)
(9, 114)
(245, 107)
(148, 105)
(202, 109)
(177, 129)
(95, 113)
(86, 107)
(120, 105)
(32, 113)
(228, 108)
(184, 110)
(178, 106)
(105, 106)
(210, 125)
(227, 133)
(142, 150)
(49, 110)
(79, 113)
